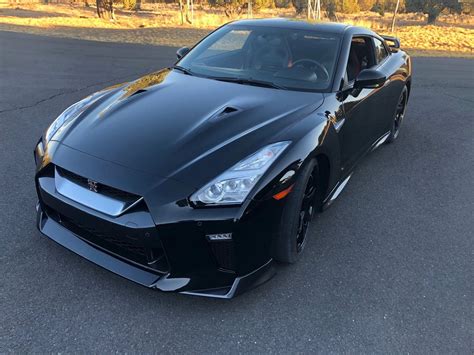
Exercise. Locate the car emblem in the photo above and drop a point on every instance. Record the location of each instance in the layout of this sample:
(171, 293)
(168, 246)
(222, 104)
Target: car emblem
(93, 185)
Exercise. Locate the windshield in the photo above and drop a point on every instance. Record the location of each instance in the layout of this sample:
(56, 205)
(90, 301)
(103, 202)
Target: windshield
(276, 57)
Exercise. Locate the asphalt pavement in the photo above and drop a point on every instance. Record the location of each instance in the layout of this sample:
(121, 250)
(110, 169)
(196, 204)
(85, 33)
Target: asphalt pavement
(388, 268)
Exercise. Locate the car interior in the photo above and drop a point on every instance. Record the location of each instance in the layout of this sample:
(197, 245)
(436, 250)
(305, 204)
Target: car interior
(287, 55)
(360, 57)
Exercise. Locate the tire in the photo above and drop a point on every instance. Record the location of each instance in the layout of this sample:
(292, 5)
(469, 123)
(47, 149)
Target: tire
(292, 236)
(398, 116)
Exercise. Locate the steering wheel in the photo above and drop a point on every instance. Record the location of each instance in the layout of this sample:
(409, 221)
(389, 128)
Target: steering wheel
(319, 69)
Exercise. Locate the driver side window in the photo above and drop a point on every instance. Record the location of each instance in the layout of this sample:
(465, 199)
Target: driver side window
(360, 57)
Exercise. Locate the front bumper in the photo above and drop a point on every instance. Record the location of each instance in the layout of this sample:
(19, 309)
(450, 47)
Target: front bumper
(163, 282)
(174, 255)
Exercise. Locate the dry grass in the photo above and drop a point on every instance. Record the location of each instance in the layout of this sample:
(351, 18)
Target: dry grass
(160, 24)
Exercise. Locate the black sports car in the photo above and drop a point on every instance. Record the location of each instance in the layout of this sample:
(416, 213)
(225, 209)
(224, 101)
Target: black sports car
(197, 177)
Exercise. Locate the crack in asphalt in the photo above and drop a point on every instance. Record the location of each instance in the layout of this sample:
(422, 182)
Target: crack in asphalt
(66, 93)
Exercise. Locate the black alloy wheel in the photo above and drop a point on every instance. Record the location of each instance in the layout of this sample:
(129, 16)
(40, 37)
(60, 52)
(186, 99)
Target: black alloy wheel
(298, 211)
(399, 116)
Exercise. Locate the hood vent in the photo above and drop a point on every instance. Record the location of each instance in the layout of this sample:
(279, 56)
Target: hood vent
(224, 112)
(227, 110)
(140, 91)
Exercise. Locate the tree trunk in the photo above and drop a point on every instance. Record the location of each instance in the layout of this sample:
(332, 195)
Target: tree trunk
(138, 5)
(331, 10)
(433, 14)
(189, 12)
(105, 9)
(181, 11)
(394, 15)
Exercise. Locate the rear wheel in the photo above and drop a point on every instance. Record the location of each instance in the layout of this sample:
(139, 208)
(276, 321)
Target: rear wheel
(399, 115)
(297, 215)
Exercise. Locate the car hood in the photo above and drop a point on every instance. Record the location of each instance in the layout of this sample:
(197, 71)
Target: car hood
(172, 125)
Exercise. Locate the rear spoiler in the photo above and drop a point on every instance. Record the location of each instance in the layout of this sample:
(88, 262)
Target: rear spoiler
(393, 42)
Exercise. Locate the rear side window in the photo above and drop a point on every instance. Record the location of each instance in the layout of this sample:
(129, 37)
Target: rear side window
(380, 51)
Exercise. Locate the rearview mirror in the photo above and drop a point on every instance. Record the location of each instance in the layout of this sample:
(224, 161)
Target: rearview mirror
(180, 53)
(369, 79)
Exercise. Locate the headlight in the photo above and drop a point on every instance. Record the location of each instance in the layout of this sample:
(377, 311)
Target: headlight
(71, 113)
(233, 186)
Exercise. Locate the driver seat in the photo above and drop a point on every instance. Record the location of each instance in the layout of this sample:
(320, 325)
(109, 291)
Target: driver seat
(353, 65)
(269, 52)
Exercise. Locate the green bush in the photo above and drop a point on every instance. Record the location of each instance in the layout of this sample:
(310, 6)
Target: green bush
(262, 4)
(344, 6)
(236, 7)
(433, 7)
(231, 7)
(349, 6)
(379, 7)
(366, 5)
(300, 6)
(282, 3)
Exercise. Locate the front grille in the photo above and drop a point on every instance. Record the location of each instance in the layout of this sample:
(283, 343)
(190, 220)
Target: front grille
(103, 189)
(122, 245)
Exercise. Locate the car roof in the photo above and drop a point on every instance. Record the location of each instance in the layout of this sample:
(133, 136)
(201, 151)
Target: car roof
(322, 27)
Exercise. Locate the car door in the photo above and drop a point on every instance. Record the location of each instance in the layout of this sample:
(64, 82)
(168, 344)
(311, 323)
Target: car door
(360, 106)
(391, 90)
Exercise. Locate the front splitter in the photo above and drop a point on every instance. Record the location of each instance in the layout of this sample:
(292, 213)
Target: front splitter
(162, 282)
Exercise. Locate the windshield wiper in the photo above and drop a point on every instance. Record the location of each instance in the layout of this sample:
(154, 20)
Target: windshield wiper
(182, 69)
(266, 84)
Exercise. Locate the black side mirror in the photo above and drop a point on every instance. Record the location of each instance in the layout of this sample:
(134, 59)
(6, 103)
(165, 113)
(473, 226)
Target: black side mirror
(180, 53)
(369, 79)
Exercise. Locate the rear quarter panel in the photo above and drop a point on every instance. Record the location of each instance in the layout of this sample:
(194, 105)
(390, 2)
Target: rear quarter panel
(397, 68)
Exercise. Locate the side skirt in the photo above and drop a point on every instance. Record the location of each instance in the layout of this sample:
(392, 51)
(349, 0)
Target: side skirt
(335, 192)
(340, 186)
(380, 141)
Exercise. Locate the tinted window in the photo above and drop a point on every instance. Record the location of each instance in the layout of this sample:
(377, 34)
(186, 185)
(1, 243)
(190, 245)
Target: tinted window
(290, 58)
(231, 41)
(380, 51)
(360, 57)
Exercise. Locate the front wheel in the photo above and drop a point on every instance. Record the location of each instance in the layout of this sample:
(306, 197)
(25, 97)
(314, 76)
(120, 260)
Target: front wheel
(297, 215)
(399, 116)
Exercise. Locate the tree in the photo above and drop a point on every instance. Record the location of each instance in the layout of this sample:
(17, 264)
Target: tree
(432, 7)
(234, 8)
(366, 5)
(330, 6)
(282, 3)
(105, 9)
(299, 5)
(394, 15)
(231, 7)
(379, 7)
(349, 6)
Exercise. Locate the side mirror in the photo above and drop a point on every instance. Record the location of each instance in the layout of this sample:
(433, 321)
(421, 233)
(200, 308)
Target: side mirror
(180, 53)
(369, 79)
